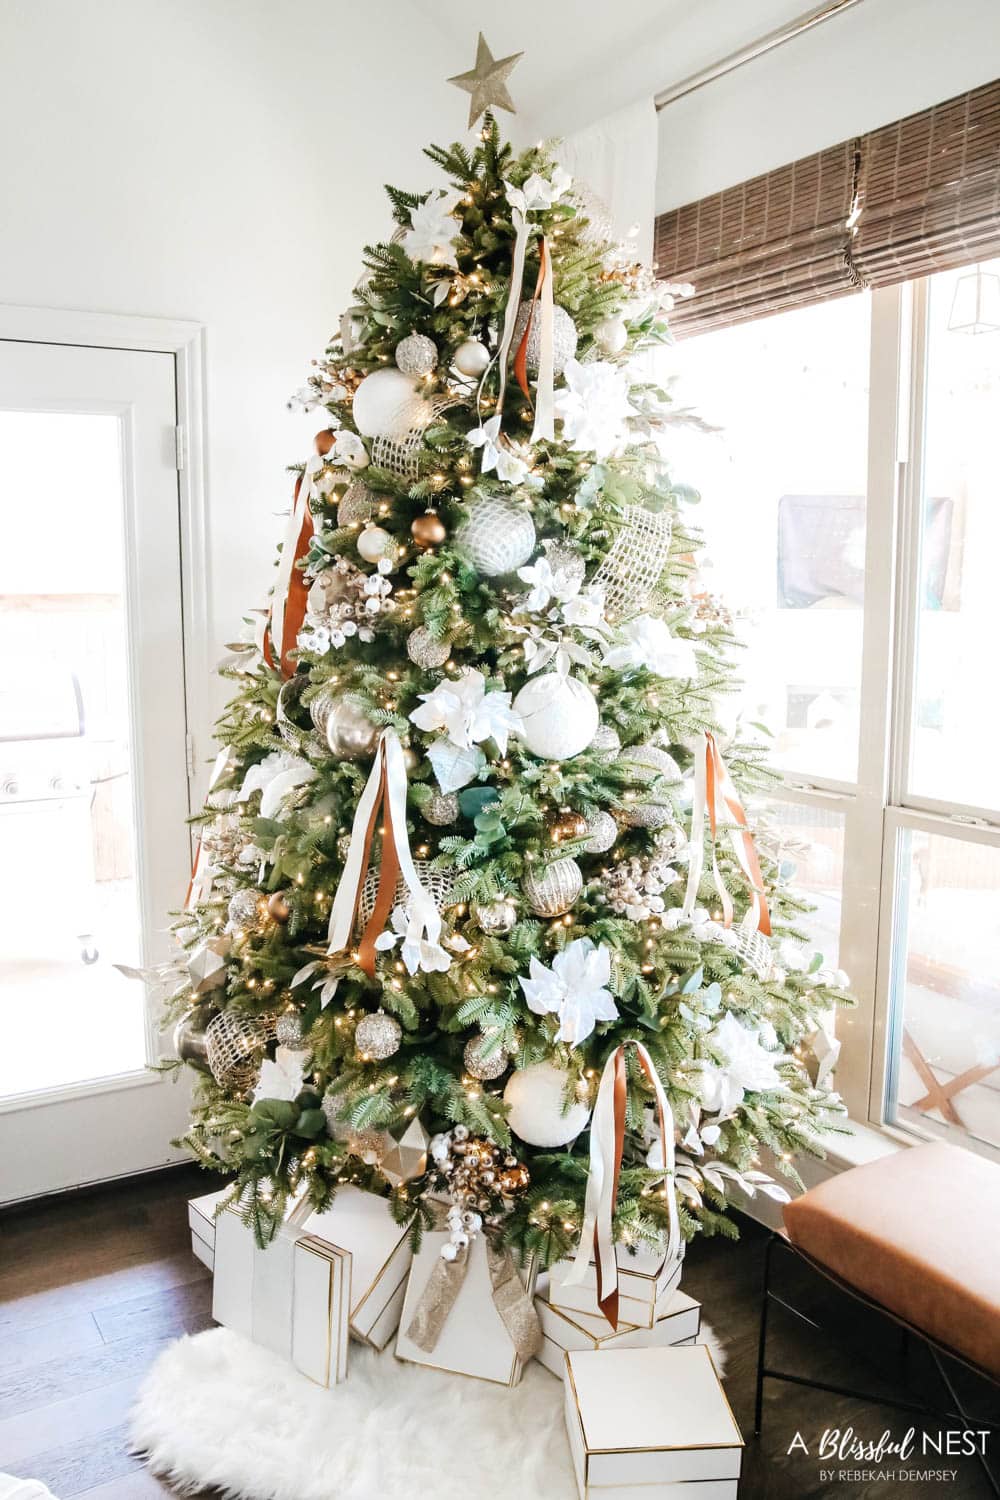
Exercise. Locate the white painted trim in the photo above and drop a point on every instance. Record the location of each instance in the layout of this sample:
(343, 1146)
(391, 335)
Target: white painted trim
(70, 1091)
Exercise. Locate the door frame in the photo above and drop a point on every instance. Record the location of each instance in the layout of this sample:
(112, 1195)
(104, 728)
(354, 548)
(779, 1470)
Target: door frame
(185, 341)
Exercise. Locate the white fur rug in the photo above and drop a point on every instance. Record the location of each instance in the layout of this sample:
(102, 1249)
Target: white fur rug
(216, 1410)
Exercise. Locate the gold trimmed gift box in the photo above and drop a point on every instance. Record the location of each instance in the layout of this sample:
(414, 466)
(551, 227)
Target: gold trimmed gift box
(361, 1223)
(650, 1424)
(563, 1330)
(645, 1285)
(201, 1219)
(293, 1297)
(473, 1339)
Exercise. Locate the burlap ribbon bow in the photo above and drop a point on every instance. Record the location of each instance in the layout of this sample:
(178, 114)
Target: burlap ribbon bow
(511, 1301)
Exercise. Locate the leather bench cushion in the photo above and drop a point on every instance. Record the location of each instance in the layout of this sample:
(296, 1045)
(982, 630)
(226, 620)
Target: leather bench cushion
(919, 1232)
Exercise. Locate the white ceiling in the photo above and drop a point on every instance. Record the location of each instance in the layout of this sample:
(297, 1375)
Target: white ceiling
(585, 58)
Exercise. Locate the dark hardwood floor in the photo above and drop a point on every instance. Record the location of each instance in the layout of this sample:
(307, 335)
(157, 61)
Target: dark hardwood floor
(93, 1285)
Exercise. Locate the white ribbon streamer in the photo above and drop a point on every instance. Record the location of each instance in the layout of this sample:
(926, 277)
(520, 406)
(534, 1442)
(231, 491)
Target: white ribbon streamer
(389, 766)
(286, 561)
(513, 304)
(204, 871)
(544, 427)
(600, 1205)
(737, 838)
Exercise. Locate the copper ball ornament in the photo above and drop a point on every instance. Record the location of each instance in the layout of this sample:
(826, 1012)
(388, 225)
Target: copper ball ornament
(428, 530)
(324, 442)
(568, 825)
(278, 908)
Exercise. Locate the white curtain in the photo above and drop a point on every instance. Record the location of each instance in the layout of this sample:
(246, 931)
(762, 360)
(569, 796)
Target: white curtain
(616, 157)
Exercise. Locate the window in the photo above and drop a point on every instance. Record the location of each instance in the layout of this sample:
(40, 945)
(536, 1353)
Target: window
(852, 518)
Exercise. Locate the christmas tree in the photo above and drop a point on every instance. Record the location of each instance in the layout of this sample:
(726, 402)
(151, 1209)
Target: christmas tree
(475, 839)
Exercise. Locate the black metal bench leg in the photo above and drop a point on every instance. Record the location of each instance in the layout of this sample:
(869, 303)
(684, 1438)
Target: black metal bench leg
(762, 1338)
(967, 1424)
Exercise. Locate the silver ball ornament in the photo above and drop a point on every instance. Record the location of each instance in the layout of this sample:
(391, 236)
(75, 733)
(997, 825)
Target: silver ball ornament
(651, 759)
(245, 909)
(471, 358)
(560, 715)
(495, 917)
(646, 815)
(288, 1031)
(416, 354)
(377, 1036)
(357, 504)
(552, 889)
(497, 536)
(607, 740)
(564, 337)
(441, 809)
(482, 1064)
(603, 832)
(566, 562)
(349, 732)
(374, 543)
(427, 650)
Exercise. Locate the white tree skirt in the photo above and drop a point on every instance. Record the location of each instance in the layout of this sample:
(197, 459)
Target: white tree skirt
(217, 1411)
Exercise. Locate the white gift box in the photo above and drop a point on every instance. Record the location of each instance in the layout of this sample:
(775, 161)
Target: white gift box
(645, 1285)
(292, 1297)
(650, 1424)
(563, 1330)
(473, 1340)
(362, 1224)
(201, 1218)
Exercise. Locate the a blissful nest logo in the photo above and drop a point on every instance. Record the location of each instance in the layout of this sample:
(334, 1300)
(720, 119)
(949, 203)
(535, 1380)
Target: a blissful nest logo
(856, 1459)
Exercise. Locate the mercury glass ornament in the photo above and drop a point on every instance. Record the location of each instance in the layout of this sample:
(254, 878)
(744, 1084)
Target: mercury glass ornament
(495, 917)
(647, 815)
(607, 740)
(206, 963)
(497, 536)
(349, 732)
(357, 505)
(603, 832)
(377, 1037)
(552, 890)
(472, 358)
(405, 1158)
(427, 650)
(564, 337)
(416, 354)
(245, 907)
(288, 1030)
(441, 809)
(483, 1064)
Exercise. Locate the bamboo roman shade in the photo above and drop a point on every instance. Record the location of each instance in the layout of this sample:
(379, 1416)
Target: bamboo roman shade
(905, 200)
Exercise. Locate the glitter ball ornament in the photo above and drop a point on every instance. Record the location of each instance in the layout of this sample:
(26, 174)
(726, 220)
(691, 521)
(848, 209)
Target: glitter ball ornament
(552, 890)
(357, 505)
(606, 741)
(497, 536)
(288, 1031)
(349, 732)
(484, 1062)
(538, 1112)
(426, 650)
(647, 815)
(377, 1037)
(560, 715)
(428, 530)
(388, 404)
(471, 358)
(416, 354)
(651, 761)
(564, 337)
(495, 917)
(441, 809)
(374, 543)
(603, 831)
(567, 564)
(245, 909)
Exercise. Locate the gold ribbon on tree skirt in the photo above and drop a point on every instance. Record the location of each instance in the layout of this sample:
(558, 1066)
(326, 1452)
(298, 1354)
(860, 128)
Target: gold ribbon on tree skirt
(511, 1301)
(715, 794)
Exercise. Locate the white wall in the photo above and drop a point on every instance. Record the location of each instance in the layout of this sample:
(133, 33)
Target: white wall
(875, 63)
(219, 160)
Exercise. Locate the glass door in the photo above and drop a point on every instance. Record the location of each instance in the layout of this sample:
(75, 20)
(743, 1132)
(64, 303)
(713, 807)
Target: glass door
(93, 783)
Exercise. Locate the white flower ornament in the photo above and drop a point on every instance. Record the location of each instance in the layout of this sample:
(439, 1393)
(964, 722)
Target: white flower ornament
(497, 455)
(431, 235)
(594, 406)
(574, 989)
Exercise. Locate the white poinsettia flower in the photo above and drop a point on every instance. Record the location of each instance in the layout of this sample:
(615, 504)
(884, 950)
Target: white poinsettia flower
(498, 456)
(748, 1067)
(574, 989)
(538, 192)
(349, 450)
(432, 232)
(647, 642)
(418, 953)
(542, 585)
(274, 777)
(594, 406)
(585, 611)
(282, 1078)
(468, 713)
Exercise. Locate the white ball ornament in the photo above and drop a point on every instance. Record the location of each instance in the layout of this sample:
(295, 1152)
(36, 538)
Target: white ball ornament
(497, 536)
(471, 358)
(560, 715)
(388, 404)
(416, 354)
(374, 544)
(611, 335)
(535, 1101)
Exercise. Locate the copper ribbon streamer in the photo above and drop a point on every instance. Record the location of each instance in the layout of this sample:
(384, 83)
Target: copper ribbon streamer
(521, 357)
(513, 1305)
(607, 1141)
(715, 794)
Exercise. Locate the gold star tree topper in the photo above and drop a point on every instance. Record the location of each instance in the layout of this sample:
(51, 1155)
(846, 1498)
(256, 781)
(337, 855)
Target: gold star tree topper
(487, 81)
